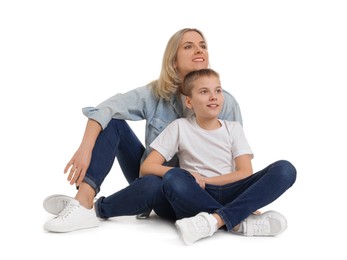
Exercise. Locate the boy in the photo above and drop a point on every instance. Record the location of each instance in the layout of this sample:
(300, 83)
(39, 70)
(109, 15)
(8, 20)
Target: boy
(215, 186)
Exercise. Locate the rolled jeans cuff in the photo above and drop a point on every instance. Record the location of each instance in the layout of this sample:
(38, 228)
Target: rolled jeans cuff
(92, 184)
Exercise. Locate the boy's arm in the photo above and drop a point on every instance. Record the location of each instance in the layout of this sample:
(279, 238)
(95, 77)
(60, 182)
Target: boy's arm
(243, 169)
(153, 164)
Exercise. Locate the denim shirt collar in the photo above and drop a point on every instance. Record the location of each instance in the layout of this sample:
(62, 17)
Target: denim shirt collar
(176, 103)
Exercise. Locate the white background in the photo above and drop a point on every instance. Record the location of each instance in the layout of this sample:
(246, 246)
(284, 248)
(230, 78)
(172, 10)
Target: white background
(284, 61)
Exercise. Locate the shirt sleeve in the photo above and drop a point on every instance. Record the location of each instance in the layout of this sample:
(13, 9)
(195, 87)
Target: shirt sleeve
(240, 144)
(167, 141)
(131, 105)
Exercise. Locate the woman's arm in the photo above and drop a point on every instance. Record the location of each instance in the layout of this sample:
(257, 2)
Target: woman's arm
(153, 164)
(243, 169)
(132, 105)
(80, 161)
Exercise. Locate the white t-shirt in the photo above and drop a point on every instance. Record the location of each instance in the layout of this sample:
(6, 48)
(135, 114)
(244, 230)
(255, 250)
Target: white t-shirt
(210, 153)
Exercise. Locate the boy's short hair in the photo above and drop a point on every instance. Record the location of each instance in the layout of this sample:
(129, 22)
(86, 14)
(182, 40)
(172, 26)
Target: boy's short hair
(188, 81)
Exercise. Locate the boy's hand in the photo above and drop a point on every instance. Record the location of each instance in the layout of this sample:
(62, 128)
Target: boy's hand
(199, 179)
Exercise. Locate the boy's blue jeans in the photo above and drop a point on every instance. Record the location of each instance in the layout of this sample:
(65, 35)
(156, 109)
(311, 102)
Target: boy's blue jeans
(232, 202)
(177, 195)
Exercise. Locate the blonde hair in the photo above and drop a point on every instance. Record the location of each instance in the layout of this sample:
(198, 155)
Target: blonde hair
(169, 81)
(188, 81)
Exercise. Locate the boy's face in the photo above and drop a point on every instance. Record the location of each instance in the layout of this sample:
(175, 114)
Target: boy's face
(207, 97)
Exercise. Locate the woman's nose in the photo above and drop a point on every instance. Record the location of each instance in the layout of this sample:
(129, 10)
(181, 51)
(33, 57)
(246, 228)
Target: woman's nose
(198, 49)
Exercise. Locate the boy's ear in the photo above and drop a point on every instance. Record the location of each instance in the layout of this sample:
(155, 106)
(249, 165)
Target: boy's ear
(188, 103)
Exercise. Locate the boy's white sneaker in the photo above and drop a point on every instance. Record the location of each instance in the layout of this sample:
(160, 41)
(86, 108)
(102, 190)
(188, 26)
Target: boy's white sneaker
(54, 204)
(73, 217)
(197, 227)
(270, 223)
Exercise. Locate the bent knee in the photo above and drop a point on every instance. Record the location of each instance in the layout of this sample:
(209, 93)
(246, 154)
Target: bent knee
(288, 170)
(175, 174)
(176, 179)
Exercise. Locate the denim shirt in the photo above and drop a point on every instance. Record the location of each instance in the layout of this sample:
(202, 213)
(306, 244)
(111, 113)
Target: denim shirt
(142, 104)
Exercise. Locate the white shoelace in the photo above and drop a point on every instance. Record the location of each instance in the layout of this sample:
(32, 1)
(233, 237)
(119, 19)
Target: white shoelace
(256, 227)
(64, 204)
(201, 225)
(68, 209)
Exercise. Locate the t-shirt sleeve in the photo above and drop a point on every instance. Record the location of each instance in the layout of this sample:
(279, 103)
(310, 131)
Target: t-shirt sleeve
(240, 144)
(167, 141)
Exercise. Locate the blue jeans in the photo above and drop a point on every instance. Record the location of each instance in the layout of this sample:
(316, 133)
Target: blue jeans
(232, 202)
(117, 140)
(177, 195)
(141, 195)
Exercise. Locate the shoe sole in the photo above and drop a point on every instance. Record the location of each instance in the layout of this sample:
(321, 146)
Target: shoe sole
(281, 219)
(54, 204)
(58, 229)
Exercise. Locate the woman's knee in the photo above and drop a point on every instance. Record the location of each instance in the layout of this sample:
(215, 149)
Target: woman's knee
(117, 125)
(113, 129)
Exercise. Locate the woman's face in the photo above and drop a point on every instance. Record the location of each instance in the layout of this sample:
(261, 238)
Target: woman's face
(192, 54)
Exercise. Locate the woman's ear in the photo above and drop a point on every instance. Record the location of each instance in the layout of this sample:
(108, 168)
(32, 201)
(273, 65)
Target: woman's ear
(189, 103)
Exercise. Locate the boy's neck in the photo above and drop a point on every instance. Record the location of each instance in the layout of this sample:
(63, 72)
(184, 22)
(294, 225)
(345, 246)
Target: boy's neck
(208, 123)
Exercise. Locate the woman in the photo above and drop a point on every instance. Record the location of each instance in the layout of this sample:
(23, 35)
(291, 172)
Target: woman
(107, 135)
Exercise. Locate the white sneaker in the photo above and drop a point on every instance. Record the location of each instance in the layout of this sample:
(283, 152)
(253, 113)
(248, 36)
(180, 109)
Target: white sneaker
(73, 217)
(54, 204)
(197, 227)
(270, 223)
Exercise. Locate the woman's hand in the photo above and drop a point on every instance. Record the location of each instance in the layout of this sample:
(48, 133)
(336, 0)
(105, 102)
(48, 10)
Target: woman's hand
(199, 179)
(78, 166)
(80, 161)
